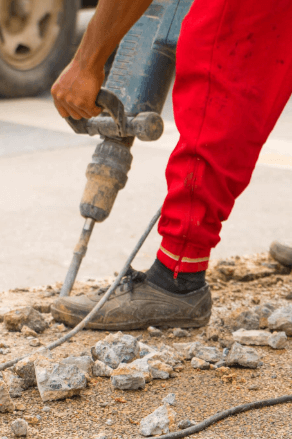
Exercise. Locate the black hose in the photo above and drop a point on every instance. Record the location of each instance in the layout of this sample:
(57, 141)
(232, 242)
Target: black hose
(222, 415)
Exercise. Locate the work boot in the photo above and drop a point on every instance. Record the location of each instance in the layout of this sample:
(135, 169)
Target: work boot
(282, 253)
(137, 303)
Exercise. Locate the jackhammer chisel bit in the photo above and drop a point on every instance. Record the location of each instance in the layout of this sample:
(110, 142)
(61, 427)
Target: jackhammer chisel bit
(136, 89)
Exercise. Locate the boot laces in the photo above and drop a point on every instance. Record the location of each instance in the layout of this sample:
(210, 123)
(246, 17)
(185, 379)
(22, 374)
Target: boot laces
(128, 282)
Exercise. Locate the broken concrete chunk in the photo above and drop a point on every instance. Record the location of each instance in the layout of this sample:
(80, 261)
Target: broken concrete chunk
(42, 307)
(159, 369)
(187, 350)
(83, 363)
(100, 369)
(198, 363)
(19, 427)
(27, 316)
(169, 399)
(6, 404)
(145, 349)
(27, 332)
(25, 368)
(14, 384)
(154, 332)
(115, 349)
(281, 320)
(35, 343)
(242, 318)
(209, 354)
(159, 422)
(127, 377)
(242, 356)
(58, 381)
(179, 332)
(252, 337)
(278, 340)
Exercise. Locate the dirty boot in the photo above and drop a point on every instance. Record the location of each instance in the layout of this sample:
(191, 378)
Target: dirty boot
(137, 303)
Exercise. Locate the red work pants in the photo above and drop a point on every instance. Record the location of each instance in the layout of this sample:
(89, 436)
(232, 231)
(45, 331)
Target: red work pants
(233, 79)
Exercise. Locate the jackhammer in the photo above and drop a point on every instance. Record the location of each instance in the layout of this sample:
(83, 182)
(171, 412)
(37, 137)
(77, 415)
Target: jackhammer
(132, 101)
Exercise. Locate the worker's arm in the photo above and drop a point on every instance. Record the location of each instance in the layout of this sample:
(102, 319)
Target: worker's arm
(77, 87)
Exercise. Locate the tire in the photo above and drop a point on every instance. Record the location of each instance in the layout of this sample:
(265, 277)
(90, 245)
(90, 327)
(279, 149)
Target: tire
(30, 67)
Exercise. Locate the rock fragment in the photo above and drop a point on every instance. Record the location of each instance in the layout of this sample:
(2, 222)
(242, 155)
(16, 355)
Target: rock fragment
(278, 340)
(159, 369)
(115, 349)
(213, 333)
(159, 422)
(169, 399)
(243, 356)
(154, 332)
(19, 427)
(25, 368)
(101, 369)
(57, 380)
(264, 312)
(187, 350)
(34, 342)
(127, 377)
(100, 436)
(209, 354)
(185, 423)
(6, 404)
(198, 363)
(242, 318)
(27, 332)
(252, 337)
(14, 384)
(281, 320)
(83, 363)
(179, 332)
(26, 316)
(145, 349)
(44, 308)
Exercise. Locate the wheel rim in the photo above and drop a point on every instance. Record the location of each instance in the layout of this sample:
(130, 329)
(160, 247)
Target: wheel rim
(28, 30)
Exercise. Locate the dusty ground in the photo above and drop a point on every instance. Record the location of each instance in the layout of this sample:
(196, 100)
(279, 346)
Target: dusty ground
(199, 394)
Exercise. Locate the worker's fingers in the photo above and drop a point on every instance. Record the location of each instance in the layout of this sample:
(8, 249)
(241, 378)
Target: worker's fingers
(61, 109)
(77, 115)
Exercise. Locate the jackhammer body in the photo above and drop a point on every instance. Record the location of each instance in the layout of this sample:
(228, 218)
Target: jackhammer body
(132, 100)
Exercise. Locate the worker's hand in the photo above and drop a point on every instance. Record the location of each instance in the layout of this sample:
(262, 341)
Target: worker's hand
(76, 90)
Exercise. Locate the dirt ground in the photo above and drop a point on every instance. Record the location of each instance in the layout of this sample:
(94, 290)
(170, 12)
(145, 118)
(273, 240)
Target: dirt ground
(238, 281)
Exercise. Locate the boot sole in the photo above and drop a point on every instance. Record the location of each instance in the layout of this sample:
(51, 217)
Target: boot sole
(72, 320)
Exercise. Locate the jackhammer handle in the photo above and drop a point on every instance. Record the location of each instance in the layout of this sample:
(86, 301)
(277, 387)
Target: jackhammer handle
(109, 102)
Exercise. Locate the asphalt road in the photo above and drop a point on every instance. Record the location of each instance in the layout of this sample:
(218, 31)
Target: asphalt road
(42, 176)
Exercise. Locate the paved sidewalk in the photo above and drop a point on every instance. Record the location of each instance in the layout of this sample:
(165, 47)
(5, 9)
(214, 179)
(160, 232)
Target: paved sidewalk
(42, 176)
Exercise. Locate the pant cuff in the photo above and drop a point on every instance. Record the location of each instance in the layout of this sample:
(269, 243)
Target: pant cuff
(183, 257)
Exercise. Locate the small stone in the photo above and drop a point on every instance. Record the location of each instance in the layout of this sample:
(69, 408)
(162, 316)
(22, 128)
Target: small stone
(109, 422)
(252, 337)
(169, 399)
(100, 436)
(115, 349)
(178, 332)
(25, 368)
(278, 340)
(254, 387)
(19, 427)
(6, 404)
(154, 332)
(35, 343)
(220, 363)
(185, 423)
(242, 356)
(100, 369)
(46, 409)
(221, 371)
(274, 376)
(187, 350)
(127, 377)
(145, 349)
(27, 332)
(20, 407)
(84, 363)
(281, 320)
(242, 318)
(159, 422)
(14, 384)
(58, 381)
(198, 363)
(159, 369)
(32, 420)
(27, 316)
(212, 333)
(209, 354)
(44, 308)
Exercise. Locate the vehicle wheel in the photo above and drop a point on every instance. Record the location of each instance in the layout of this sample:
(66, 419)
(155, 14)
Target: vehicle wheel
(36, 43)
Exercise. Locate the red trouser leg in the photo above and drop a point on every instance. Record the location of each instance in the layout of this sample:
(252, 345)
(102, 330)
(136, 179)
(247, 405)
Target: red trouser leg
(233, 78)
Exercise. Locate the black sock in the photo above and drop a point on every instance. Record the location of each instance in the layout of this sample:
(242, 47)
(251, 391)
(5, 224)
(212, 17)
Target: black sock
(160, 275)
